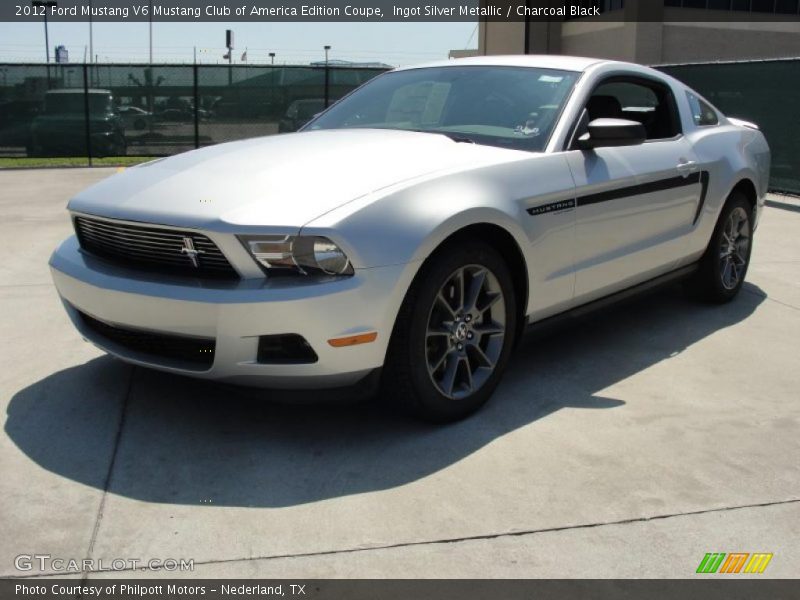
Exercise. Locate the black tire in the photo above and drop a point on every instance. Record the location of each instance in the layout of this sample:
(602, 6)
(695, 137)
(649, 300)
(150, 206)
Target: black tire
(713, 282)
(406, 378)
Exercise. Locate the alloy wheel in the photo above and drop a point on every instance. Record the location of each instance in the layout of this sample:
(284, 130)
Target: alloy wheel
(465, 332)
(734, 248)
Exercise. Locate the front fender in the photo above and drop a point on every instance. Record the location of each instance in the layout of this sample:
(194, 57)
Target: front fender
(407, 225)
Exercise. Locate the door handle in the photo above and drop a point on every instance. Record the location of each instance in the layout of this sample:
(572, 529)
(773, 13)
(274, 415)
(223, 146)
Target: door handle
(687, 166)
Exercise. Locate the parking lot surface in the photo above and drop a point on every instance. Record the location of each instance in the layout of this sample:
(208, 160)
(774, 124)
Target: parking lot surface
(627, 446)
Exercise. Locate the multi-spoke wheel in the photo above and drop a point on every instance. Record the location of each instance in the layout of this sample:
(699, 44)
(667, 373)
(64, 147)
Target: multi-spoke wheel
(454, 333)
(466, 327)
(735, 248)
(724, 265)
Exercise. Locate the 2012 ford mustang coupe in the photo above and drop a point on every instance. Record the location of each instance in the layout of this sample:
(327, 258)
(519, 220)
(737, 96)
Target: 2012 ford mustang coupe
(409, 232)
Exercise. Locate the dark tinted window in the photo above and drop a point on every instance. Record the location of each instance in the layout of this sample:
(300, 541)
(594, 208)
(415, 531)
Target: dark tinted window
(763, 6)
(702, 113)
(75, 103)
(649, 103)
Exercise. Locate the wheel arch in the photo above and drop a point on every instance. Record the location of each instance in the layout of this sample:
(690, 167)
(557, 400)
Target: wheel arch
(748, 189)
(502, 240)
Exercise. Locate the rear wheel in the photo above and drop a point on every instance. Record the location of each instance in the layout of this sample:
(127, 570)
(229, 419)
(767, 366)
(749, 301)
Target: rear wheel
(454, 334)
(724, 265)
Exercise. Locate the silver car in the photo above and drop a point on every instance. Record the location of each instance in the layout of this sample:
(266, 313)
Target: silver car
(409, 233)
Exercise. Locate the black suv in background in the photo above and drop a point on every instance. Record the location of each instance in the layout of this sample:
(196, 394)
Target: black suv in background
(61, 128)
(16, 117)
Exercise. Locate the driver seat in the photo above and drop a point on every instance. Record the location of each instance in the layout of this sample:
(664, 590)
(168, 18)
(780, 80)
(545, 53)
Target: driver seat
(604, 107)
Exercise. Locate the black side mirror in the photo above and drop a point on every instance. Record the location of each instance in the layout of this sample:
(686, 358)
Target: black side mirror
(612, 132)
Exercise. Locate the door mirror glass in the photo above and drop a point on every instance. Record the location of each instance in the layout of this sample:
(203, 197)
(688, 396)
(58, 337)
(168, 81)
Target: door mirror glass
(612, 132)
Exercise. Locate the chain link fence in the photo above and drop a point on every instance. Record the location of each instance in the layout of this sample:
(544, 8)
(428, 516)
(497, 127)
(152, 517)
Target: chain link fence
(142, 110)
(766, 92)
(156, 110)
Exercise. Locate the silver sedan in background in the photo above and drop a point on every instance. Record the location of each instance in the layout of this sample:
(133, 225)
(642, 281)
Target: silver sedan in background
(407, 235)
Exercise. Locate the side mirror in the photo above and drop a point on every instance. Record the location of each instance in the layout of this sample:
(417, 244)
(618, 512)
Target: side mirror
(612, 132)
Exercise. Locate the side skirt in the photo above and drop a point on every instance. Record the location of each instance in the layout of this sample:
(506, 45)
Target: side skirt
(637, 290)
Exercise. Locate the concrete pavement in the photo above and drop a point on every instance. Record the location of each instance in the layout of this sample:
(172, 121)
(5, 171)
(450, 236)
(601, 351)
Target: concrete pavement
(626, 447)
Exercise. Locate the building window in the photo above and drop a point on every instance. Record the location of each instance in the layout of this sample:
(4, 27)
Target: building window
(787, 7)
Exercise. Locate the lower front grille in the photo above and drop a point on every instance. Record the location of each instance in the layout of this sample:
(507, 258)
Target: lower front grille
(182, 351)
(153, 249)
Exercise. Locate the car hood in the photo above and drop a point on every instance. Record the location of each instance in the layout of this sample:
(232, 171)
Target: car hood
(282, 180)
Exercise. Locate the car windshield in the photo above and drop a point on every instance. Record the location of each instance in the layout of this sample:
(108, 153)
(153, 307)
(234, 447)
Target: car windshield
(510, 107)
(60, 104)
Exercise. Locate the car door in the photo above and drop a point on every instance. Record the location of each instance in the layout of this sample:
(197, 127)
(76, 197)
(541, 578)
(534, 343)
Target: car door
(634, 204)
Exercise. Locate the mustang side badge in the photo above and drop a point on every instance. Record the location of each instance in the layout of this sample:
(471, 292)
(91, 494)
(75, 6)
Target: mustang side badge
(559, 206)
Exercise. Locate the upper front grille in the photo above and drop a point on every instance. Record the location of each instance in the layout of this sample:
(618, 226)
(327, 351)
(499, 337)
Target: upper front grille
(151, 248)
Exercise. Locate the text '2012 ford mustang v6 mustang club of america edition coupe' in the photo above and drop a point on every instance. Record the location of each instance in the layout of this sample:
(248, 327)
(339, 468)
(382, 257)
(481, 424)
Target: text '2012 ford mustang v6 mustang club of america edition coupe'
(409, 232)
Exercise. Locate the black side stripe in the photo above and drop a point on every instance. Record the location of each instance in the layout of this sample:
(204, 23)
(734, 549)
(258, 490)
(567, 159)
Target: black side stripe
(642, 188)
(703, 192)
(700, 177)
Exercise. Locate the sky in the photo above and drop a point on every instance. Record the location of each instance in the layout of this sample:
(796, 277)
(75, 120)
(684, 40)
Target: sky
(293, 43)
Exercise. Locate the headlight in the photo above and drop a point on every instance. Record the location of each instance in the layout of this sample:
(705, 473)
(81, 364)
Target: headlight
(299, 254)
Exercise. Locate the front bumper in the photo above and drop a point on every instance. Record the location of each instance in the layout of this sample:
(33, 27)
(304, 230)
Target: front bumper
(235, 314)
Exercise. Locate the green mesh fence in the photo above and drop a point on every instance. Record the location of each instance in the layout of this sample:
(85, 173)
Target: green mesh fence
(764, 92)
(29, 95)
(142, 110)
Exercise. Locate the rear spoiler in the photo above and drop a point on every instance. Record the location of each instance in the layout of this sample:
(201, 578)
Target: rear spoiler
(742, 123)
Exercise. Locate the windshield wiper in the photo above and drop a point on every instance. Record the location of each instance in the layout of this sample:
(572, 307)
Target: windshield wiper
(461, 139)
(456, 137)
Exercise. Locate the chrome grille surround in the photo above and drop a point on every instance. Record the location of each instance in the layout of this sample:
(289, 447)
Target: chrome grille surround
(153, 248)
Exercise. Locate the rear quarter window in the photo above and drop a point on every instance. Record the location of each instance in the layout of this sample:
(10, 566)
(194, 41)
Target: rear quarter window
(702, 113)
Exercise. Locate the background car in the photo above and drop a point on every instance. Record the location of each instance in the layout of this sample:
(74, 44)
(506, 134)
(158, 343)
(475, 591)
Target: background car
(299, 113)
(16, 117)
(61, 128)
(134, 117)
(408, 234)
(177, 115)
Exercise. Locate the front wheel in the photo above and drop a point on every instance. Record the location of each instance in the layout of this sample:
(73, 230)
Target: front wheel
(724, 265)
(454, 334)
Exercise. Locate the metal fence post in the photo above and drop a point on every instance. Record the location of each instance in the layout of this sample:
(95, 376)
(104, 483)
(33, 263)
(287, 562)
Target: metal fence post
(196, 110)
(86, 113)
(327, 84)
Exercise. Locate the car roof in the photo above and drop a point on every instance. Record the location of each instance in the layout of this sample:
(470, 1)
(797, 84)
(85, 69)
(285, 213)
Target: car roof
(78, 91)
(544, 61)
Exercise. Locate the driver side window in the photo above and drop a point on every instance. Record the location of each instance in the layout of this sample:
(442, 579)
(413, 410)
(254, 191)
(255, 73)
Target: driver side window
(647, 102)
